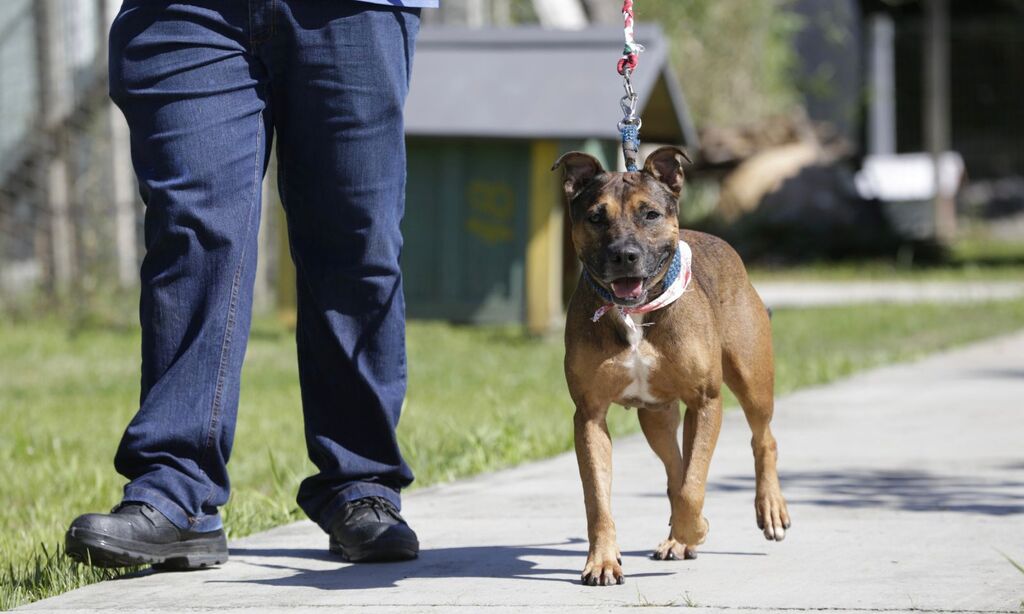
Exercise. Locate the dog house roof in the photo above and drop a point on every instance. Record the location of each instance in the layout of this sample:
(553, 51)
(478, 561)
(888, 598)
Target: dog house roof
(529, 82)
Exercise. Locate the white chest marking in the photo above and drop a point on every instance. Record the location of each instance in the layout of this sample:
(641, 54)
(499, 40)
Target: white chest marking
(638, 365)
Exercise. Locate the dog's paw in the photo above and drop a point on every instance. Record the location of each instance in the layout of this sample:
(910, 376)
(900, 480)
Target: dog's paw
(603, 570)
(772, 515)
(671, 550)
(692, 531)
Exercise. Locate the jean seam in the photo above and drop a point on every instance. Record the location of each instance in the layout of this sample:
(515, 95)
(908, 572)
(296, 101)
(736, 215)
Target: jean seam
(236, 282)
(255, 40)
(252, 42)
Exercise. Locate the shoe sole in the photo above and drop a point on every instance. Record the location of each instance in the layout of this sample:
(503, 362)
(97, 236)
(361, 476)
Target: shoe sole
(378, 551)
(101, 550)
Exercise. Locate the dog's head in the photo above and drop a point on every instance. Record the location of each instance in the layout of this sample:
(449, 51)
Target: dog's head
(624, 225)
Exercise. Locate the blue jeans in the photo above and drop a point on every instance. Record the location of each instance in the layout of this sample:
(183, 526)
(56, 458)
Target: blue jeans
(204, 84)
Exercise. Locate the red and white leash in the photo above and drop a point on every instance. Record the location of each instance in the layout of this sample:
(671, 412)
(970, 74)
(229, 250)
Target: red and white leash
(631, 52)
(629, 127)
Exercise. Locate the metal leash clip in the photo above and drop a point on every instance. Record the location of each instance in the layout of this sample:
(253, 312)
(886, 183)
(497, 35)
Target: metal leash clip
(629, 127)
(628, 104)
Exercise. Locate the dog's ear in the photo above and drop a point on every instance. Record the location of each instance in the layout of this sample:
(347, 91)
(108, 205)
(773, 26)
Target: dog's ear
(580, 169)
(664, 164)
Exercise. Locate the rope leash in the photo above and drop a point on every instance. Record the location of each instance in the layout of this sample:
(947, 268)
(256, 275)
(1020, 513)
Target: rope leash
(632, 50)
(629, 127)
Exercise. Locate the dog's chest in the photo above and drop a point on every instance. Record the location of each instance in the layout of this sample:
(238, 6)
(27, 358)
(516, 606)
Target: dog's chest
(637, 364)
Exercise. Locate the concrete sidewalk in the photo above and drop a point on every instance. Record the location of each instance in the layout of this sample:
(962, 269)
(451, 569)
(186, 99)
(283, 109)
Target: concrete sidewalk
(904, 484)
(779, 294)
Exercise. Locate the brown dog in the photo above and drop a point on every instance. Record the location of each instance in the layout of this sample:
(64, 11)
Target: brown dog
(626, 234)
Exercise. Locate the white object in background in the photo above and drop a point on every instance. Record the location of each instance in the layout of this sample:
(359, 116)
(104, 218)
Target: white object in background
(908, 177)
(560, 14)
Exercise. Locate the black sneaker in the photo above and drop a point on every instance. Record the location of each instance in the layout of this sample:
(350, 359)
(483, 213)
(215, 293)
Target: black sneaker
(136, 534)
(372, 530)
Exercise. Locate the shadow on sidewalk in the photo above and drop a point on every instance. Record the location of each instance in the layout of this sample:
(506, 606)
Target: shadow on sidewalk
(905, 490)
(482, 562)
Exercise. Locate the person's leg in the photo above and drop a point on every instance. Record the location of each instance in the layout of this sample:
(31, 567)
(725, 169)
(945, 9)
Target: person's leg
(193, 96)
(340, 74)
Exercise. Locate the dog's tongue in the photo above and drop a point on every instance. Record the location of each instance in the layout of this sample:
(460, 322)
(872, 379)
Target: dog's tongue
(628, 287)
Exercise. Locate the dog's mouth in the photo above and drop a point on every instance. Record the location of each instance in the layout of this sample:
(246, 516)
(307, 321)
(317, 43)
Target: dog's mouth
(628, 288)
(631, 291)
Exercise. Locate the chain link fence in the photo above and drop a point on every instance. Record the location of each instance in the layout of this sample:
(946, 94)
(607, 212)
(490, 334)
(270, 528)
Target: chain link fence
(69, 215)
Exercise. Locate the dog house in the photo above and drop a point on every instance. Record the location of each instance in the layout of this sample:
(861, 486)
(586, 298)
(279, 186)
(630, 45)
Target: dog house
(489, 111)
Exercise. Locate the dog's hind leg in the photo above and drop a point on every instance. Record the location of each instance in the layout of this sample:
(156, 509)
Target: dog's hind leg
(661, 427)
(749, 373)
(702, 423)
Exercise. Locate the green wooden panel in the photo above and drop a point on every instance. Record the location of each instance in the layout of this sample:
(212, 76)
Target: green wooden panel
(465, 229)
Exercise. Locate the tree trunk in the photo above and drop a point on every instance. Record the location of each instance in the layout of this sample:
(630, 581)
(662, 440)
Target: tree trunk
(122, 183)
(54, 102)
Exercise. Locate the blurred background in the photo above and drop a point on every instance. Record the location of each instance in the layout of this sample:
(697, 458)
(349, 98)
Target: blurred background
(866, 157)
(886, 131)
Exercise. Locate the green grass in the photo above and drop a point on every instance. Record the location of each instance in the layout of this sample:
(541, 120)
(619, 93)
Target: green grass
(479, 399)
(1019, 567)
(976, 257)
(981, 249)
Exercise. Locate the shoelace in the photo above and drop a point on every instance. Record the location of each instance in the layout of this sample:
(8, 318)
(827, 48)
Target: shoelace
(379, 505)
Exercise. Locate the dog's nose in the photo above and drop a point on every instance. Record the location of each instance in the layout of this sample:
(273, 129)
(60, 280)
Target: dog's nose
(625, 255)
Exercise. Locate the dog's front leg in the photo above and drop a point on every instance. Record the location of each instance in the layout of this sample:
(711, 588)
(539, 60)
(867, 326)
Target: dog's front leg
(701, 425)
(594, 455)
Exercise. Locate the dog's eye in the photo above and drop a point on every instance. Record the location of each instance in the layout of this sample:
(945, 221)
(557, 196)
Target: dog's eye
(595, 218)
(652, 215)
